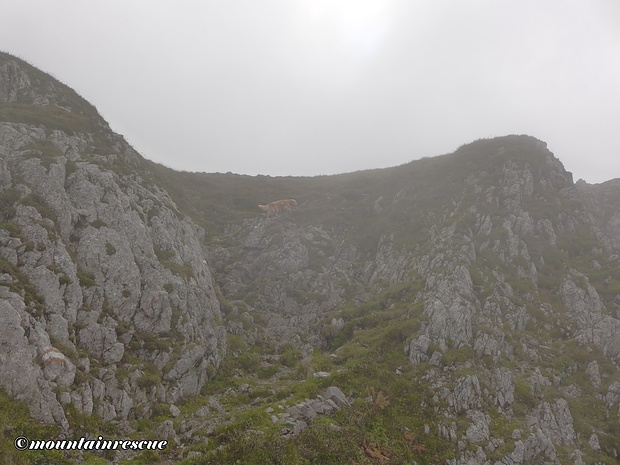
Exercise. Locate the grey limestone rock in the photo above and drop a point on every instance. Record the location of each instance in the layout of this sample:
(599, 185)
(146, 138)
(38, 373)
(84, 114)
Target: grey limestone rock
(502, 381)
(539, 446)
(485, 344)
(517, 185)
(538, 382)
(31, 382)
(466, 395)
(555, 421)
(594, 443)
(113, 263)
(594, 374)
(166, 431)
(338, 324)
(300, 415)
(417, 349)
(448, 305)
(478, 431)
(585, 308)
(517, 456)
(577, 458)
(448, 432)
(332, 399)
(336, 395)
(612, 398)
(174, 410)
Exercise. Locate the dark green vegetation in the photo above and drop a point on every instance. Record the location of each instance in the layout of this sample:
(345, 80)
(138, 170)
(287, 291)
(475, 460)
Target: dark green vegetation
(387, 417)
(16, 422)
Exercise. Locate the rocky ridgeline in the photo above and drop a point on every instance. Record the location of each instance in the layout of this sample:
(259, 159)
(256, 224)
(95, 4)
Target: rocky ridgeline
(482, 267)
(108, 298)
(107, 301)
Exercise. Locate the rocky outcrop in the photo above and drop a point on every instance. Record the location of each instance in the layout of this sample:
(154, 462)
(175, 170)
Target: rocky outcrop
(590, 325)
(502, 382)
(298, 417)
(295, 275)
(103, 276)
(35, 367)
(555, 421)
(449, 306)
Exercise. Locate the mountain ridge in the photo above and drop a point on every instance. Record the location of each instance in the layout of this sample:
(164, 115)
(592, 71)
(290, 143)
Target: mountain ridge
(456, 309)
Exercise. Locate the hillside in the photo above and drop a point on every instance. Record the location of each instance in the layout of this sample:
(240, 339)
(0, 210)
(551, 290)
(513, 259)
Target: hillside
(458, 309)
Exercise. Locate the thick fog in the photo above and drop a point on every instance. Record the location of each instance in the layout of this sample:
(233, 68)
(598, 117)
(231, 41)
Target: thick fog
(307, 87)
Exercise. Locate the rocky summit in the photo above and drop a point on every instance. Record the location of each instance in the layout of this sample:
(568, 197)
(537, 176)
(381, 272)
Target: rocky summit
(460, 309)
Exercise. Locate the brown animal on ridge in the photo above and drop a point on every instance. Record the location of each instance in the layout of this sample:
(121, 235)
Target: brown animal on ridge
(279, 206)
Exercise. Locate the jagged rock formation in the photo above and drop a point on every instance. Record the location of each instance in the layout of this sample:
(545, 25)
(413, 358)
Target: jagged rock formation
(107, 300)
(504, 259)
(489, 272)
(296, 418)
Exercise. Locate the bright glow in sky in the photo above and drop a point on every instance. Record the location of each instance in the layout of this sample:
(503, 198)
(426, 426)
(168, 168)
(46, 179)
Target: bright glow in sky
(306, 87)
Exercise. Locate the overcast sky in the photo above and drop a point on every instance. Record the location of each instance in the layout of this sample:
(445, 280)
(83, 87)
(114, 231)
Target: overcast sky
(307, 87)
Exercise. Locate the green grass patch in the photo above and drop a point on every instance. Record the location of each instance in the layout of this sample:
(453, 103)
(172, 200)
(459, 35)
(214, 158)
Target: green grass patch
(86, 279)
(38, 203)
(16, 421)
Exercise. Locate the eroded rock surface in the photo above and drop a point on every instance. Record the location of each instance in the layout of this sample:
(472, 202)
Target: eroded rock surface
(101, 265)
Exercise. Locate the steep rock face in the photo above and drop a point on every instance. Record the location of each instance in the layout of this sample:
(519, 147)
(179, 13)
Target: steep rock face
(504, 254)
(101, 274)
(294, 275)
(31, 381)
(600, 200)
(591, 325)
(488, 286)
